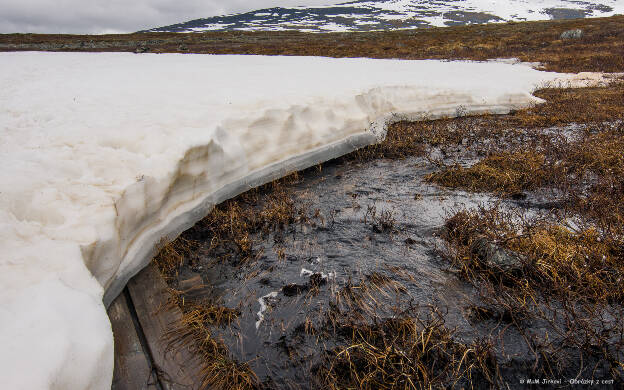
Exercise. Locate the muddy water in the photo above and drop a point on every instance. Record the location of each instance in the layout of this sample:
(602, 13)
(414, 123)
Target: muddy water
(373, 218)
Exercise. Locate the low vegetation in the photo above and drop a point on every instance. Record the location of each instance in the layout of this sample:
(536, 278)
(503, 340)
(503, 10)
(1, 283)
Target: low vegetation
(506, 173)
(408, 352)
(218, 369)
(568, 280)
(599, 49)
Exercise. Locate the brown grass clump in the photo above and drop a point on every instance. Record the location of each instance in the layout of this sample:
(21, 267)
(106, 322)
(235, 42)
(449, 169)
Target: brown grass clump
(218, 369)
(574, 105)
(555, 260)
(570, 280)
(401, 141)
(204, 312)
(229, 228)
(171, 256)
(506, 173)
(573, 262)
(357, 302)
(406, 353)
(382, 222)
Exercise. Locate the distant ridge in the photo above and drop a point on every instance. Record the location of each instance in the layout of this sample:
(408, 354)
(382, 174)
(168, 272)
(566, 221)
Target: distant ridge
(363, 15)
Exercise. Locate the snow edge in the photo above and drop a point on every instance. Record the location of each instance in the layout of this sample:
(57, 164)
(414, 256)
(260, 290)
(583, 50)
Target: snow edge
(145, 246)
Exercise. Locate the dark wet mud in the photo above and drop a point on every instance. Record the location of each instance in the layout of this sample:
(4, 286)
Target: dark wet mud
(376, 218)
(369, 250)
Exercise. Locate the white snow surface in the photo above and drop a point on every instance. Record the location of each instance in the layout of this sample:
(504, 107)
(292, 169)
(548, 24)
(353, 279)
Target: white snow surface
(105, 154)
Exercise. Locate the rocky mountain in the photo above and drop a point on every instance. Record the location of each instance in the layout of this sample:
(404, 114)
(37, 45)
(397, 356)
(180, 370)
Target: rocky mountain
(370, 15)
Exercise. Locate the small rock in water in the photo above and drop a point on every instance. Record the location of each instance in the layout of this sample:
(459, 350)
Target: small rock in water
(572, 34)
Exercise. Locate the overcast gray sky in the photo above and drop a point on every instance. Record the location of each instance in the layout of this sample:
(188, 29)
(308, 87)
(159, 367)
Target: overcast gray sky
(108, 16)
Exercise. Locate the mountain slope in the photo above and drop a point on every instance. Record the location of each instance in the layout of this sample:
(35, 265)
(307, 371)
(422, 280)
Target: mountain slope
(363, 15)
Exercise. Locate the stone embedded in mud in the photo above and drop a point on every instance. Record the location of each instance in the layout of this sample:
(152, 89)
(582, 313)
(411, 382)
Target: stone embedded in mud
(495, 257)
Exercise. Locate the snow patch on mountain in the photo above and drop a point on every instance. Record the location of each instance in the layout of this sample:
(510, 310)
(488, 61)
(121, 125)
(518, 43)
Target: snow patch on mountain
(370, 15)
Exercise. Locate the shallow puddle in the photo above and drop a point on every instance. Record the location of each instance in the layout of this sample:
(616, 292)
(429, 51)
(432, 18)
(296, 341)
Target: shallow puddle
(374, 226)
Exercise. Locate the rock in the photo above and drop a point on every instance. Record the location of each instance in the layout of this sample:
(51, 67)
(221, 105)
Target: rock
(495, 257)
(572, 34)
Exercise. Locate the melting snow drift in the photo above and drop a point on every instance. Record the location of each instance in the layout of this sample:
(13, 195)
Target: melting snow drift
(106, 154)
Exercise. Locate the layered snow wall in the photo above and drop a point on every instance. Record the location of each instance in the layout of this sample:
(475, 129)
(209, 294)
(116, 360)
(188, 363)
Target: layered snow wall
(103, 155)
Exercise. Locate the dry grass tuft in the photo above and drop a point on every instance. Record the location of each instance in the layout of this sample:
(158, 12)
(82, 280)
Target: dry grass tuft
(382, 222)
(171, 256)
(574, 105)
(218, 369)
(506, 173)
(585, 264)
(401, 141)
(406, 353)
(570, 280)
